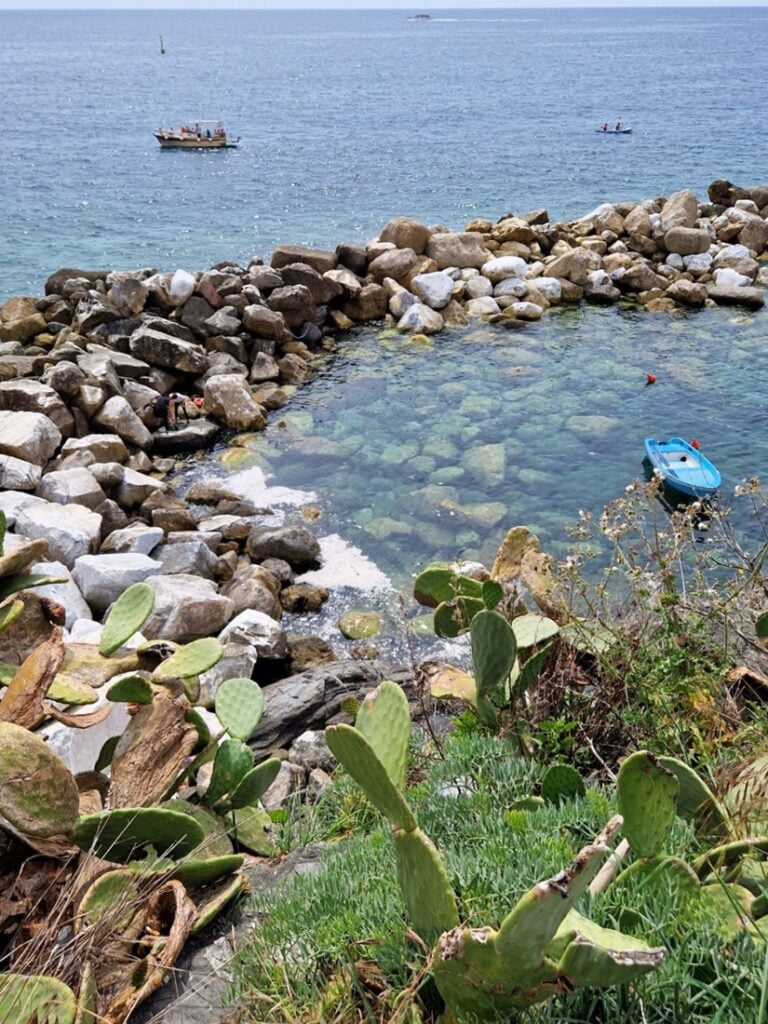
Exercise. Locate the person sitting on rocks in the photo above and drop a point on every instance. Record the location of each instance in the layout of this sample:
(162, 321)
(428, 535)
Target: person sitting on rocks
(177, 404)
(160, 407)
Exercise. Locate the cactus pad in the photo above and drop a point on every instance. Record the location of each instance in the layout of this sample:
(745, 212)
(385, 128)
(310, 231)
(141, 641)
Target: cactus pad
(255, 784)
(660, 871)
(239, 707)
(35, 999)
(696, 801)
(216, 842)
(588, 962)
(132, 689)
(533, 629)
(434, 585)
(561, 782)
(114, 895)
(128, 614)
(492, 593)
(384, 719)
(213, 902)
(454, 617)
(233, 762)
(493, 651)
(9, 613)
(38, 794)
(428, 895)
(196, 873)
(190, 660)
(119, 835)
(355, 753)
(647, 796)
(68, 689)
(251, 828)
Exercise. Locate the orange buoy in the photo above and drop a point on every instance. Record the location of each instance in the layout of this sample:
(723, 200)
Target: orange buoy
(650, 378)
(695, 444)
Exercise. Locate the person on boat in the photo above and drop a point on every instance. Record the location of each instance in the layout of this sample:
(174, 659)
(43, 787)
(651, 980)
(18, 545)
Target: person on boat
(619, 126)
(605, 127)
(208, 133)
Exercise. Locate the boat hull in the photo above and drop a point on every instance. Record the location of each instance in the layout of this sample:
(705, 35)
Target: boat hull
(682, 467)
(613, 131)
(169, 141)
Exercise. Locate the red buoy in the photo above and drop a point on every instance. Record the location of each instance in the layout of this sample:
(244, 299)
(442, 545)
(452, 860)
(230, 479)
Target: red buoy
(695, 444)
(650, 378)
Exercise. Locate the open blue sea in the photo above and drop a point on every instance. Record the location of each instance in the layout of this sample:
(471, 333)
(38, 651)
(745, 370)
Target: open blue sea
(348, 118)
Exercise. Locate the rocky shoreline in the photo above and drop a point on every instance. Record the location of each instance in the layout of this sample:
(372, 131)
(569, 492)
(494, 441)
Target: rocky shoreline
(84, 467)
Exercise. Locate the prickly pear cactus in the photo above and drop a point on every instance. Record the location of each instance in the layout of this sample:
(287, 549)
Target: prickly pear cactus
(434, 585)
(121, 835)
(38, 793)
(10, 611)
(190, 660)
(385, 721)
(233, 762)
(494, 650)
(647, 797)
(561, 782)
(35, 999)
(696, 801)
(129, 613)
(427, 891)
(239, 706)
(254, 785)
(132, 689)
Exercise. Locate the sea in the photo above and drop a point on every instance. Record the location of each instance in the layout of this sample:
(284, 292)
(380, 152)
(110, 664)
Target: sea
(347, 118)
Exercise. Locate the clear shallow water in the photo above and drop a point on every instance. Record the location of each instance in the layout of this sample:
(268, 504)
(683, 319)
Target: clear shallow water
(392, 436)
(350, 117)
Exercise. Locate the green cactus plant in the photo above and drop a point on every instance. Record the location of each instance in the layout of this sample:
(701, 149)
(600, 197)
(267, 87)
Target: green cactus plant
(132, 689)
(35, 999)
(114, 895)
(128, 614)
(190, 660)
(233, 762)
(454, 617)
(561, 782)
(254, 784)
(10, 611)
(239, 705)
(439, 584)
(198, 872)
(251, 828)
(647, 797)
(120, 835)
(696, 801)
(216, 843)
(213, 902)
(385, 721)
(38, 794)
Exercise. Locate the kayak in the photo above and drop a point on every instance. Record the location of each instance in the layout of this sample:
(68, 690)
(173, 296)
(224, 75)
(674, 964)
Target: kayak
(613, 131)
(683, 467)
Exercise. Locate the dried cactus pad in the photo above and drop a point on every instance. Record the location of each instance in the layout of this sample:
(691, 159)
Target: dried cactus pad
(647, 794)
(35, 999)
(129, 613)
(239, 707)
(121, 834)
(38, 794)
(190, 660)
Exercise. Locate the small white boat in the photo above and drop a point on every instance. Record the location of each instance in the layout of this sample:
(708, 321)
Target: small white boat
(613, 131)
(196, 135)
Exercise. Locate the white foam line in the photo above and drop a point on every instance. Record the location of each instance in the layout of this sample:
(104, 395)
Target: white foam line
(252, 484)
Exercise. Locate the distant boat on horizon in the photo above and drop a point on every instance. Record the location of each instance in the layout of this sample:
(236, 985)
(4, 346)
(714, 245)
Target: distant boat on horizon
(420, 17)
(162, 47)
(197, 135)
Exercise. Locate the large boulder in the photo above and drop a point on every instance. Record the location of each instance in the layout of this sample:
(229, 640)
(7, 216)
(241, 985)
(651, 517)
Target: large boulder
(71, 530)
(193, 557)
(435, 290)
(294, 544)
(687, 293)
(420, 319)
(134, 487)
(264, 322)
(160, 349)
(117, 417)
(394, 263)
(102, 578)
(30, 436)
(405, 233)
(728, 295)
(370, 303)
(71, 486)
(575, 265)
(137, 539)
(503, 267)
(23, 329)
(103, 447)
(259, 631)
(186, 608)
(680, 210)
(55, 283)
(323, 288)
(228, 397)
(457, 249)
(255, 587)
(725, 193)
(687, 241)
(34, 396)
(294, 302)
(18, 475)
(754, 234)
(320, 259)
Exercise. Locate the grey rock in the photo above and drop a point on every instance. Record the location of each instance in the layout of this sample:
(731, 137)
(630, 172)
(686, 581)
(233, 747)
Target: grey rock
(309, 750)
(71, 530)
(102, 578)
(295, 544)
(35, 396)
(71, 486)
(457, 249)
(259, 631)
(162, 350)
(435, 290)
(191, 437)
(290, 778)
(237, 662)
(320, 259)
(137, 539)
(228, 398)
(13, 501)
(186, 608)
(134, 488)
(118, 417)
(29, 436)
(18, 475)
(103, 447)
(66, 594)
(193, 557)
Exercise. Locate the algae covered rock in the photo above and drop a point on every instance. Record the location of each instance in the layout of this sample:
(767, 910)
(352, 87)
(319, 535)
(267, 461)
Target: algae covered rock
(356, 625)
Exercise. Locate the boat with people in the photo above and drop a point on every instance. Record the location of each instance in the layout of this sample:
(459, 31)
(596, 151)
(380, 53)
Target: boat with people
(196, 135)
(617, 129)
(683, 467)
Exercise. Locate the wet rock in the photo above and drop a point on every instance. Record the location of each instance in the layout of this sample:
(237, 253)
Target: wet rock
(29, 436)
(101, 579)
(590, 427)
(191, 437)
(358, 625)
(159, 349)
(258, 630)
(529, 311)
(303, 597)
(228, 398)
(293, 369)
(687, 293)
(295, 544)
(76, 486)
(727, 295)
(485, 464)
(420, 319)
(320, 259)
(71, 530)
(18, 475)
(186, 608)
(457, 249)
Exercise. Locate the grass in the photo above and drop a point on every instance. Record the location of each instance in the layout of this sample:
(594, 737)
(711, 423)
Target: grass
(335, 946)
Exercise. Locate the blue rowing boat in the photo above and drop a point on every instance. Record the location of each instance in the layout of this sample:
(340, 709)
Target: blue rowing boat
(683, 467)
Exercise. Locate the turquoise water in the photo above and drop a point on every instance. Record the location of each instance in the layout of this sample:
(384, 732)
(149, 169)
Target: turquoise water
(393, 436)
(349, 117)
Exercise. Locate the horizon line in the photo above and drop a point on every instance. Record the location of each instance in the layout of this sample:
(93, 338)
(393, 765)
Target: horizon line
(431, 6)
